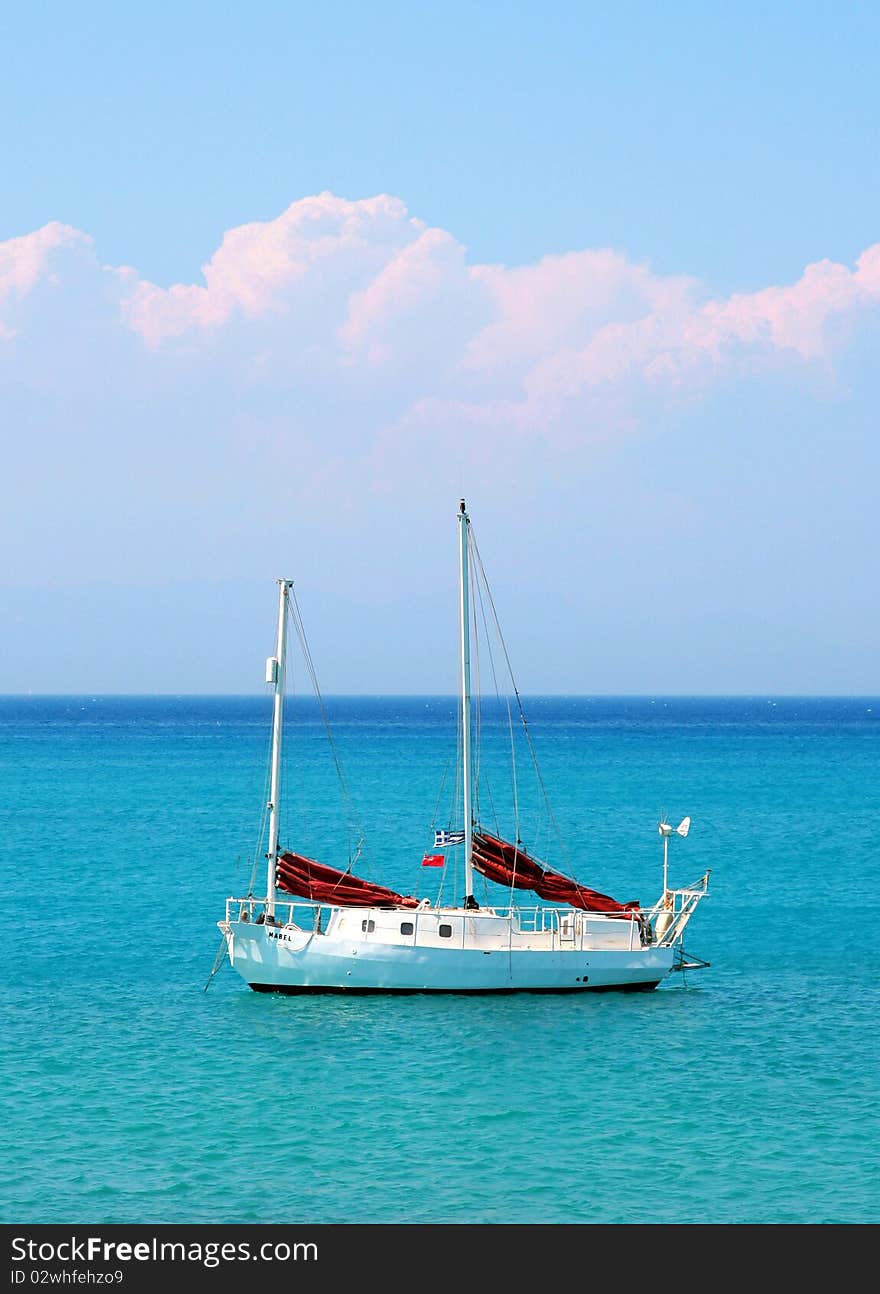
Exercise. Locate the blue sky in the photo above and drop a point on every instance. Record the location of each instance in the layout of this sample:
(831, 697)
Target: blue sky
(279, 282)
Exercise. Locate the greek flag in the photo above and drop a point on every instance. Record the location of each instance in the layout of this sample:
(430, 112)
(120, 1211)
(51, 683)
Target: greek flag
(444, 838)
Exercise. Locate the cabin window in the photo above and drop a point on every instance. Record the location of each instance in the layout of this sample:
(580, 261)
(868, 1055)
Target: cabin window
(406, 927)
(368, 927)
(445, 932)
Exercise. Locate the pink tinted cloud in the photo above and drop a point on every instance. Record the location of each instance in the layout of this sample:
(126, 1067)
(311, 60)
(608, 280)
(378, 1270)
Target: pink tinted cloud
(417, 275)
(264, 267)
(563, 301)
(31, 259)
(26, 260)
(374, 291)
(791, 318)
(573, 326)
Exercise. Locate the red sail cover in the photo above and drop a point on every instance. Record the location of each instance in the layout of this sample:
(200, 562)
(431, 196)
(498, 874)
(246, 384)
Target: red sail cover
(302, 876)
(505, 863)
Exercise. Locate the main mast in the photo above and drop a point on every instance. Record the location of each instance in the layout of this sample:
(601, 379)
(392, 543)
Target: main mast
(464, 620)
(275, 674)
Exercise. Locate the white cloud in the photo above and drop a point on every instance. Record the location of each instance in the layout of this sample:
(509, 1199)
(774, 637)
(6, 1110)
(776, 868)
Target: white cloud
(263, 267)
(360, 292)
(25, 261)
(563, 301)
(36, 258)
(318, 399)
(419, 275)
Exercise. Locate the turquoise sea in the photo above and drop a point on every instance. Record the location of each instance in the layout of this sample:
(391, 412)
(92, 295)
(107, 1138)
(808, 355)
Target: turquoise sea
(743, 1093)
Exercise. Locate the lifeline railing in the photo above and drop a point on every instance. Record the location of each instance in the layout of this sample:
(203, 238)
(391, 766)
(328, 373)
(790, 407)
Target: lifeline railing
(531, 920)
(562, 923)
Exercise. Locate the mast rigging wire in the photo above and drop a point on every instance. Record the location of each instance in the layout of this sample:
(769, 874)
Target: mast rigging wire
(522, 716)
(352, 822)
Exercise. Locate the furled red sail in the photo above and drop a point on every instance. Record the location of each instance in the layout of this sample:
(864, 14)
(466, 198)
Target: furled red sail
(507, 864)
(302, 876)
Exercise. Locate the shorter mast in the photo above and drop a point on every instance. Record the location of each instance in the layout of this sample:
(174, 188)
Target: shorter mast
(275, 667)
(464, 617)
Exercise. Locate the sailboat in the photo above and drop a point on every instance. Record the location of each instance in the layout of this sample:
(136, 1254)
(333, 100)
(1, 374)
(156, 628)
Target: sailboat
(322, 929)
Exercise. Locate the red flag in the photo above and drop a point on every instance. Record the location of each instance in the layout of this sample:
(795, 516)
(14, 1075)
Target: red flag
(434, 860)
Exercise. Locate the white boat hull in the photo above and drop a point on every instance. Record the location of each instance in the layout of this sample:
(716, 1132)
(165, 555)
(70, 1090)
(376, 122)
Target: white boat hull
(287, 959)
